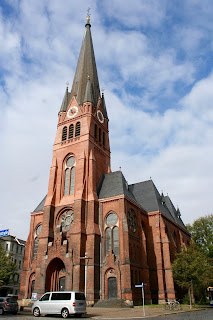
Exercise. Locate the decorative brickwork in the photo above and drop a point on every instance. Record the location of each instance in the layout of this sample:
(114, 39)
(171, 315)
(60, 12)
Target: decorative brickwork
(138, 243)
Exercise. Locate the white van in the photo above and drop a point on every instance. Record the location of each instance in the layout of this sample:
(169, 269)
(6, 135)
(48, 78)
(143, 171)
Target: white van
(60, 302)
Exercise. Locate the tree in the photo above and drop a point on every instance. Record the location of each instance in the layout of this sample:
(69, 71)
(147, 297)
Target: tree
(192, 268)
(7, 267)
(202, 234)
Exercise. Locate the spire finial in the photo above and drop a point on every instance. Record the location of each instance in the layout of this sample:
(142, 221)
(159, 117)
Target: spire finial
(88, 15)
(67, 83)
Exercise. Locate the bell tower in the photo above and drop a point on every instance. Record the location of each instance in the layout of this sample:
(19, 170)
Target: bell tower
(65, 226)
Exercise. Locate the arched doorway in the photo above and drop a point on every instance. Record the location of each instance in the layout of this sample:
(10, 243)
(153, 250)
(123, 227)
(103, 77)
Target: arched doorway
(31, 285)
(112, 288)
(55, 276)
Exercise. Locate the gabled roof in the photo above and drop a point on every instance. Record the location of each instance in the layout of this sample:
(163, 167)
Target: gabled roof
(144, 193)
(150, 199)
(13, 239)
(113, 184)
(86, 67)
(40, 207)
(89, 92)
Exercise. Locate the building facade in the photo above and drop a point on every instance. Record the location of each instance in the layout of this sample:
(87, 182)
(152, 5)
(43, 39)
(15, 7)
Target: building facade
(91, 219)
(15, 246)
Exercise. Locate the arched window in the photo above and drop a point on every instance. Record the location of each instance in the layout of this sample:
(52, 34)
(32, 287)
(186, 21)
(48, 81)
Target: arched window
(64, 134)
(69, 176)
(115, 235)
(103, 138)
(71, 131)
(99, 135)
(96, 131)
(112, 234)
(78, 129)
(36, 234)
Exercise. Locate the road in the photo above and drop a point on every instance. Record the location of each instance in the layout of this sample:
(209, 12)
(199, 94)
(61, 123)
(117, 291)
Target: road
(193, 315)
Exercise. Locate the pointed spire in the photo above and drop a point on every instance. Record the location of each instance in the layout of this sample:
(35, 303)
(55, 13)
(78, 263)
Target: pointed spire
(86, 66)
(65, 101)
(88, 93)
(104, 106)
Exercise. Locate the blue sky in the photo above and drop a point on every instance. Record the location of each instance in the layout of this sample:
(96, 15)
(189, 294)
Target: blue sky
(155, 63)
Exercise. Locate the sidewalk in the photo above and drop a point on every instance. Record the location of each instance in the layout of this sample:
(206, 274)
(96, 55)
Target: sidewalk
(122, 313)
(136, 312)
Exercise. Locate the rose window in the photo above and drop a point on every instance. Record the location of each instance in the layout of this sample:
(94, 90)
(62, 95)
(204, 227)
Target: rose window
(66, 220)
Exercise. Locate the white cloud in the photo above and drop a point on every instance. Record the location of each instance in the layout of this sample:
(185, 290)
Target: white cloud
(41, 42)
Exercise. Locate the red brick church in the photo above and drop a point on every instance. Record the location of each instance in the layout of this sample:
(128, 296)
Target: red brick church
(91, 219)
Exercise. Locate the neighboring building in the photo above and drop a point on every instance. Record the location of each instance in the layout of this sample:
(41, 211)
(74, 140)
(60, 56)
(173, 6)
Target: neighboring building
(130, 232)
(15, 246)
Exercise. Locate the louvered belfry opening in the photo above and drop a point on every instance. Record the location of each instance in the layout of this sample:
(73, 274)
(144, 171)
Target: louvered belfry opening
(78, 129)
(64, 134)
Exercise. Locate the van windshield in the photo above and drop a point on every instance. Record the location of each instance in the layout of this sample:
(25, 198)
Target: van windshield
(61, 296)
(79, 296)
(45, 297)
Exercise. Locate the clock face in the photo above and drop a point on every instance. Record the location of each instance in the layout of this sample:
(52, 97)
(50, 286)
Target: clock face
(100, 116)
(72, 112)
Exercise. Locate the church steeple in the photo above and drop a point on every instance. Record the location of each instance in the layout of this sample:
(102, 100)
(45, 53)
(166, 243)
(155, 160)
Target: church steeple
(86, 67)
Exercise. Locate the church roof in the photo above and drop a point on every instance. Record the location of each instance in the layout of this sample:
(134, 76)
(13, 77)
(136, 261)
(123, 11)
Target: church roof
(40, 207)
(144, 193)
(150, 199)
(86, 67)
(113, 184)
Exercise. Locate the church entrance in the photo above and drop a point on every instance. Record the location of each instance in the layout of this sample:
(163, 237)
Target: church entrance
(55, 276)
(112, 288)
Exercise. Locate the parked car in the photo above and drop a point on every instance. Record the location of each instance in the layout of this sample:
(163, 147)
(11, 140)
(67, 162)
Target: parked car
(64, 303)
(9, 305)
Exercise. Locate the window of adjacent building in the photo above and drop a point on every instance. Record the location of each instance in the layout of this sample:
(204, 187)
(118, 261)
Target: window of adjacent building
(112, 234)
(7, 247)
(96, 131)
(78, 129)
(17, 249)
(64, 134)
(69, 177)
(19, 264)
(71, 131)
(37, 232)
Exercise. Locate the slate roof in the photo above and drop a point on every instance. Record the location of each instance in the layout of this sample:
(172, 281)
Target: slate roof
(150, 199)
(113, 184)
(86, 67)
(40, 207)
(65, 101)
(144, 193)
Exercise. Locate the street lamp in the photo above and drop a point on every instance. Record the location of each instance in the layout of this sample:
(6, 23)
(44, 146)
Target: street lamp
(86, 265)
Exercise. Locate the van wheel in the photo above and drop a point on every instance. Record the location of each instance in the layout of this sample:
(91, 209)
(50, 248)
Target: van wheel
(36, 312)
(1, 311)
(65, 313)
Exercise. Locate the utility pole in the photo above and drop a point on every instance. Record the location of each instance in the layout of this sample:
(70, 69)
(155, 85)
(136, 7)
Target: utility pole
(85, 276)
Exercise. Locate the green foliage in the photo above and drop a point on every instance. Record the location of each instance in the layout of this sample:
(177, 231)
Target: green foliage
(7, 267)
(202, 234)
(192, 267)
